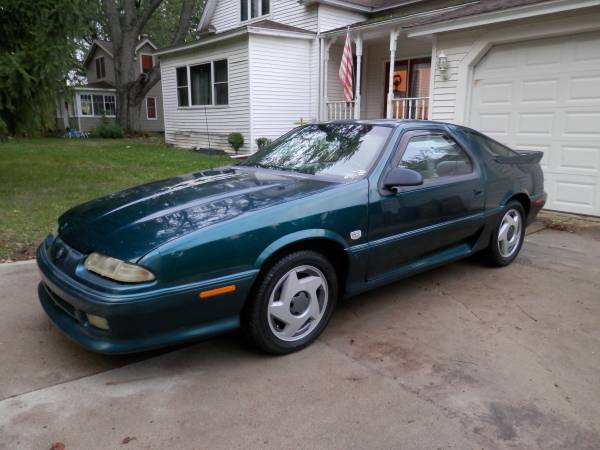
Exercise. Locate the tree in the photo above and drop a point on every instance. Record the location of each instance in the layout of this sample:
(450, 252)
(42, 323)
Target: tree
(126, 20)
(37, 50)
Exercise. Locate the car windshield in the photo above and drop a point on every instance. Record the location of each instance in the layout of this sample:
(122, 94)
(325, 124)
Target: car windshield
(341, 150)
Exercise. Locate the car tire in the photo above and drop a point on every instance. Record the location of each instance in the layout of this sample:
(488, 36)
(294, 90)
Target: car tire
(508, 236)
(292, 303)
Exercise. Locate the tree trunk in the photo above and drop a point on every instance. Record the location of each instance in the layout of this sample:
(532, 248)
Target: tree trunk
(126, 24)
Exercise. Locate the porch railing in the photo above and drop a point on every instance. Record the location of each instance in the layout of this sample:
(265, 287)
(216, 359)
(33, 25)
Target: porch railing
(411, 108)
(340, 110)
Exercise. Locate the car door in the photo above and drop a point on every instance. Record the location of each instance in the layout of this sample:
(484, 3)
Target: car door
(415, 221)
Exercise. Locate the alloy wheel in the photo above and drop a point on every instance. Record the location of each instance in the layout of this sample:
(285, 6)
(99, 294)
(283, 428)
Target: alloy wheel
(509, 233)
(297, 303)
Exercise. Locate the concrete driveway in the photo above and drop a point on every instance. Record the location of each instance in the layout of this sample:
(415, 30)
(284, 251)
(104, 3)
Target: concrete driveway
(463, 357)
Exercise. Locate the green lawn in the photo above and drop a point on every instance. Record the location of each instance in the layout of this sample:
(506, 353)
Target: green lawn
(41, 178)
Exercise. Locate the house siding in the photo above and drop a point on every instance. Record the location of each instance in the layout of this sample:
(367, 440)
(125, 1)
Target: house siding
(282, 84)
(331, 17)
(448, 94)
(108, 65)
(227, 15)
(187, 127)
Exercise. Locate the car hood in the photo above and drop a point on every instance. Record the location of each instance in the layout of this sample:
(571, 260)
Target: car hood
(130, 223)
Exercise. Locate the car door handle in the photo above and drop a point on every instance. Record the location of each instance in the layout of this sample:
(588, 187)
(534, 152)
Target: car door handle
(477, 191)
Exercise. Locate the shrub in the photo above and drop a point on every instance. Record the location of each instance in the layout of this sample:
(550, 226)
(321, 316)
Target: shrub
(236, 140)
(3, 131)
(263, 142)
(108, 130)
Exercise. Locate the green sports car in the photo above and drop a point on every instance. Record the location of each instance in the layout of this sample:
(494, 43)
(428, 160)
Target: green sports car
(327, 211)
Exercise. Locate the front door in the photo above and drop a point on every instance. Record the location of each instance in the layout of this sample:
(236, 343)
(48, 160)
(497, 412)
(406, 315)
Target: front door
(411, 81)
(420, 220)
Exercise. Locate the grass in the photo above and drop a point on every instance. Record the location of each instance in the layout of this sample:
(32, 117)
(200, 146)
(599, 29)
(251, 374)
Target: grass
(42, 178)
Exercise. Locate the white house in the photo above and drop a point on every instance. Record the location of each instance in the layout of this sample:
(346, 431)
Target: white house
(526, 72)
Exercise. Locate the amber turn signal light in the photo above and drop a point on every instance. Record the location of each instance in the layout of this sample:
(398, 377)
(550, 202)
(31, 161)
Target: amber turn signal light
(217, 291)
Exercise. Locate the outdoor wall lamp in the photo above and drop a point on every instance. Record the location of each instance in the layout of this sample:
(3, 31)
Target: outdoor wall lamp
(442, 64)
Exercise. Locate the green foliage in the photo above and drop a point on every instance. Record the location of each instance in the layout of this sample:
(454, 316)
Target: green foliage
(108, 130)
(42, 178)
(263, 142)
(166, 19)
(3, 131)
(37, 49)
(236, 140)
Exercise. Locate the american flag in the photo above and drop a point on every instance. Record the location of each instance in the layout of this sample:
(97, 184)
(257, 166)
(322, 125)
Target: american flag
(346, 70)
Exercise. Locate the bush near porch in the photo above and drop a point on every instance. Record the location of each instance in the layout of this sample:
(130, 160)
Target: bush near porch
(42, 178)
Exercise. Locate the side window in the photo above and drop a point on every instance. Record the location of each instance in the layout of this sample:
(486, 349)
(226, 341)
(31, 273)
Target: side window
(489, 145)
(435, 156)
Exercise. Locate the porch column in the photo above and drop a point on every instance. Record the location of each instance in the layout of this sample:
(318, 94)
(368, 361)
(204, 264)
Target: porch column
(326, 44)
(390, 96)
(358, 43)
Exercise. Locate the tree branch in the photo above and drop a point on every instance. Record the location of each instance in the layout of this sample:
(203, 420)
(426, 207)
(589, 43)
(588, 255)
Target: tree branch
(146, 14)
(185, 19)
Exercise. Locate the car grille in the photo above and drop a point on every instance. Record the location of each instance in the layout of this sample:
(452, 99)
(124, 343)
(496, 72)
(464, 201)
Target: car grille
(66, 307)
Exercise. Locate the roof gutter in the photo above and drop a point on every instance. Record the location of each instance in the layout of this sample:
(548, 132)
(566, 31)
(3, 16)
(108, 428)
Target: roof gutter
(202, 43)
(354, 7)
(394, 20)
(518, 12)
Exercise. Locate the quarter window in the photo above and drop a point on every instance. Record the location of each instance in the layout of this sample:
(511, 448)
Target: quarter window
(251, 9)
(435, 156)
(489, 145)
(203, 84)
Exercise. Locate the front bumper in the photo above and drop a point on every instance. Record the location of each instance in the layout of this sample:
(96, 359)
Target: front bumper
(142, 321)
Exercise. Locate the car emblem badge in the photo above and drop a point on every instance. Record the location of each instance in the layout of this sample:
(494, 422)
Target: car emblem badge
(354, 235)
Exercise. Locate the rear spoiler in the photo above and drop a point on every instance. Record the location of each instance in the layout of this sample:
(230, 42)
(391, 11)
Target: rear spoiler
(521, 157)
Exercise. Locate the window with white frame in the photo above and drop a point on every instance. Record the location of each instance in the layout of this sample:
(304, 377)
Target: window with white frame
(109, 105)
(100, 68)
(97, 105)
(151, 108)
(251, 9)
(86, 105)
(203, 84)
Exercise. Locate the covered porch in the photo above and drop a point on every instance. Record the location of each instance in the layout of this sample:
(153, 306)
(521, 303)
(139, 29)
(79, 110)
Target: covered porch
(381, 90)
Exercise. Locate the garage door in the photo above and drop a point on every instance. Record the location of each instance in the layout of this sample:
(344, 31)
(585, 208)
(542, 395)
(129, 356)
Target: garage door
(545, 95)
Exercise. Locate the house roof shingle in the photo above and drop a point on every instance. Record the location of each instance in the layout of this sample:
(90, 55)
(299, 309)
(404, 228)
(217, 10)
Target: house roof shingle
(411, 16)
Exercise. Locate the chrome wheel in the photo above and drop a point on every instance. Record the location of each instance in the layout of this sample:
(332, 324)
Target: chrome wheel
(509, 233)
(298, 303)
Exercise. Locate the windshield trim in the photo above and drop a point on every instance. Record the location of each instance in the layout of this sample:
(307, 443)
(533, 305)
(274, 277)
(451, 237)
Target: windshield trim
(334, 178)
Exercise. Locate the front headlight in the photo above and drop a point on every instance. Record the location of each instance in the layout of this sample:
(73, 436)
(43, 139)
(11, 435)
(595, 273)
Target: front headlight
(117, 270)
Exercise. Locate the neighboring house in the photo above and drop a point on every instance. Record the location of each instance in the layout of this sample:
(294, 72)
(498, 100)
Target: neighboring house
(90, 102)
(526, 72)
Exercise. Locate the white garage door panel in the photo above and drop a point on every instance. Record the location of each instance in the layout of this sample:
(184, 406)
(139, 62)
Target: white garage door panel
(545, 95)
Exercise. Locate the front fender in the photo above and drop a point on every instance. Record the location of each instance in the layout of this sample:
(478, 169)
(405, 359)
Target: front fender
(296, 237)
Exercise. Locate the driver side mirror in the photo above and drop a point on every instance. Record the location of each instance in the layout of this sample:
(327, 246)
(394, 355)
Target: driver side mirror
(400, 176)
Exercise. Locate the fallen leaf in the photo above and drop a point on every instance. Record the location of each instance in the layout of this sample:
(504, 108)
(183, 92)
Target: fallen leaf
(128, 439)
(57, 446)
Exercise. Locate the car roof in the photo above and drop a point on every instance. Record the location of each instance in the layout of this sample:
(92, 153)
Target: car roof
(399, 123)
